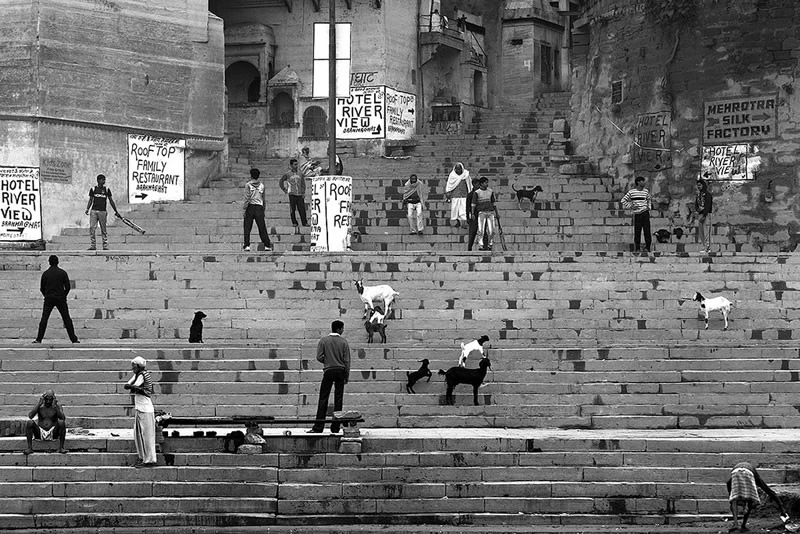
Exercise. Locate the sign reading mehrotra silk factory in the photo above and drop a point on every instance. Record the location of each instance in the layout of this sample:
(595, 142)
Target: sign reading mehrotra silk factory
(20, 204)
(378, 112)
(155, 168)
(731, 129)
(741, 119)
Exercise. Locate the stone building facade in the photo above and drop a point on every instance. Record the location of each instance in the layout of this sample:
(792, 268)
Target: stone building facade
(675, 90)
(78, 76)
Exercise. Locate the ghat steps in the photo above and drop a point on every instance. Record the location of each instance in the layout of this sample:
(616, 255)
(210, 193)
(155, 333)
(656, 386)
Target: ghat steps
(574, 212)
(444, 476)
(609, 403)
(682, 387)
(585, 298)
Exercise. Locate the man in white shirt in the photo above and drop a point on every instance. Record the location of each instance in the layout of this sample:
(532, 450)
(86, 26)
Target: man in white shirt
(638, 201)
(144, 426)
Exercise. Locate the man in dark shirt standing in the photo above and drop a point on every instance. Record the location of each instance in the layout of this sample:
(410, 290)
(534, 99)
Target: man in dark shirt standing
(472, 218)
(55, 288)
(334, 353)
(97, 204)
(293, 183)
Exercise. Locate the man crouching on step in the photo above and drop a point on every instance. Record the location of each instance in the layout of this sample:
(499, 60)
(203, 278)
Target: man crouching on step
(50, 423)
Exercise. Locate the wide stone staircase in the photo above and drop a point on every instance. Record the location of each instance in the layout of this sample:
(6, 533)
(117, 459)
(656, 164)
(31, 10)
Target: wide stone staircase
(608, 407)
(578, 210)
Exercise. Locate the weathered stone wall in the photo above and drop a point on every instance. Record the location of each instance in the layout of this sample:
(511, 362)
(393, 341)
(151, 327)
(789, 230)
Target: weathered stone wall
(96, 71)
(17, 73)
(130, 63)
(746, 49)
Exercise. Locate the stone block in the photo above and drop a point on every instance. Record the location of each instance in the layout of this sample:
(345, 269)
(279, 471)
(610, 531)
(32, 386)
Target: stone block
(249, 449)
(349, 445)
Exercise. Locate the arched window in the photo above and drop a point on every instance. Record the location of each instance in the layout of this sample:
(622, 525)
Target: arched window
(243, 83)
(282, 110)
(315, 123)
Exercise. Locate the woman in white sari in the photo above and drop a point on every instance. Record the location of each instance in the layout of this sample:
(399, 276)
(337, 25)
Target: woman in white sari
(458, 185)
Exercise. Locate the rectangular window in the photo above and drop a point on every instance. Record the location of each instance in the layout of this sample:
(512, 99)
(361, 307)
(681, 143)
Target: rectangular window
(321, 53)
(616, 92)
(557, 66)
(546, 55)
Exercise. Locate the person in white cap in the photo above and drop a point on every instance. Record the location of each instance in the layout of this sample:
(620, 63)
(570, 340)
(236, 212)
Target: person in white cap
(144, 427)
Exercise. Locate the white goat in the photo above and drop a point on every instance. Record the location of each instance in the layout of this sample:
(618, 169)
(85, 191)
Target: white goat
(717, 303)
(369, 294)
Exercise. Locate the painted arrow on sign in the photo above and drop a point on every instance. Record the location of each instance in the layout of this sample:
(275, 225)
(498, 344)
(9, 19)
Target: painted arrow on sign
(141, 195)
(761, 117)
(20, 230)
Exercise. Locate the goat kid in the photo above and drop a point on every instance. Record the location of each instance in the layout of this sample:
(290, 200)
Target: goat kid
(460, 375)
(716, 303)
(369, 294)
(419, 374)
(375, 324)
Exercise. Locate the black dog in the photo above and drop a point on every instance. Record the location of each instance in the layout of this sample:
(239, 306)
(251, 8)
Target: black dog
(459, 375)
(196, 330)
(372, 328)
(662, 236)
(374, 323)
(530, 194)
(419, 374)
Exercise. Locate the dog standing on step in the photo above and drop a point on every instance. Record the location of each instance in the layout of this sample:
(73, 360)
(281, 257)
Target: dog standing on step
(460, 375)
(530, 194)
(419, 374)
(196, 330)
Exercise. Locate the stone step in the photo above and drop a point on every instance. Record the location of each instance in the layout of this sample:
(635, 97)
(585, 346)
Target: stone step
(535, 474)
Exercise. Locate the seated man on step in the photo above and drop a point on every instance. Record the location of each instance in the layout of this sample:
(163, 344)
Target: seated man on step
(50, 424)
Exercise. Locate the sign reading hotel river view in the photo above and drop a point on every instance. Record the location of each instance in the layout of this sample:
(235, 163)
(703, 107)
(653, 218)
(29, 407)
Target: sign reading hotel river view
(375, 113)
(20, 204)
(361, 115)
(155, 168)
(331, 200)
(730, 162)
(740, 120)
(653, 148)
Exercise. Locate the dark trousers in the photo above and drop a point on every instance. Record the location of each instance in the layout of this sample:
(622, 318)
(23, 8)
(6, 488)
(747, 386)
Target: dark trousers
(331, 377)
(254, 212)
(61, 304)
(473, 231)
(641, 223)
(297, 203)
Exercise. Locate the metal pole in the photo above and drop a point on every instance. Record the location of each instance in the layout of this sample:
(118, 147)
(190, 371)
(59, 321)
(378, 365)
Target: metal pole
(332, 87)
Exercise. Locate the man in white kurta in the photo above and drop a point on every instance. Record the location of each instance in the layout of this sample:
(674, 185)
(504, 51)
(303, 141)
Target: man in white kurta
(144, 427)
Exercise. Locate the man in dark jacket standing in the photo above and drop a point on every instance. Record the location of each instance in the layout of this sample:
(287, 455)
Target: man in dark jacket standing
(703, 204)
(334, 353)
(55, 288)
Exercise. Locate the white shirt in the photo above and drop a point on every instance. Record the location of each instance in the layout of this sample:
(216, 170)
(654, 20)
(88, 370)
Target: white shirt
(141, 402)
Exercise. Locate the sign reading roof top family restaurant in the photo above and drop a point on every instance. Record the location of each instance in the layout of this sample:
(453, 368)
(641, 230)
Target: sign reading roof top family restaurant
(734, 120)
